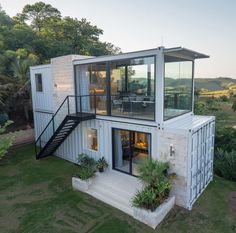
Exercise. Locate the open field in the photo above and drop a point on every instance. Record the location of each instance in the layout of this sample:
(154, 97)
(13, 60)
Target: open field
(36, 196)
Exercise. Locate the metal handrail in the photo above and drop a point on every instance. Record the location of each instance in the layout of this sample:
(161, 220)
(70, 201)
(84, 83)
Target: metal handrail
(68, 106)
(51, 119)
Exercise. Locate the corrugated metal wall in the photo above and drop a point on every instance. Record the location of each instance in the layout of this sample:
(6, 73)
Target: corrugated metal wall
(201, 159)
(42, 101)
(76, 142)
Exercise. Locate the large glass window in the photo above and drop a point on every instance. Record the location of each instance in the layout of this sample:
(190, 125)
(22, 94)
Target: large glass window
(178, 86)
(130, 148)
(92, 81)
(133, 88)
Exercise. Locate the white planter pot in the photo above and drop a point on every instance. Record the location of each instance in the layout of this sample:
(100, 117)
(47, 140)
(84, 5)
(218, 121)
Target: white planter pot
(81, 185)
(150, 218)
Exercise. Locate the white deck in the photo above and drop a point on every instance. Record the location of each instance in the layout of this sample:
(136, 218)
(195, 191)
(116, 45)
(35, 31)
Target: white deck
(188, 123)
(116, 189)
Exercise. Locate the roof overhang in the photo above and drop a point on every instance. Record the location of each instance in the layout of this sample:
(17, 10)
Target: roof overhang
(184, 53)
(120, 56)
(175, 52)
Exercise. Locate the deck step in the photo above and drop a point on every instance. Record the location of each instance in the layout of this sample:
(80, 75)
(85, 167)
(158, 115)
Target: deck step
(111, 193)
(109, 187)
(111, 201)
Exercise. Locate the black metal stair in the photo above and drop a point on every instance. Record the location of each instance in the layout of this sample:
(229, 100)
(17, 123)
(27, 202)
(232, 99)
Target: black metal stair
(62, 132)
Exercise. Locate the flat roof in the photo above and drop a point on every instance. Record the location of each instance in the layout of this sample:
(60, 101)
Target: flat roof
(176, 51)
(185, 52)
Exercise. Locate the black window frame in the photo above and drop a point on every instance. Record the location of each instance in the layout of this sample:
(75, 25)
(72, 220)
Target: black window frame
(39, 88)
(108, 84)
(130, 152)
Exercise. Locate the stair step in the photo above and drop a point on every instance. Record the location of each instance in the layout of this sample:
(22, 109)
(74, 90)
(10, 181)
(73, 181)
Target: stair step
(65, 128)
(111, 201)
(109, 193)
(113, 188)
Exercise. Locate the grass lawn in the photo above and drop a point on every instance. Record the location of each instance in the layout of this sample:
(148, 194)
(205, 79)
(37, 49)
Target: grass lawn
(36, 196)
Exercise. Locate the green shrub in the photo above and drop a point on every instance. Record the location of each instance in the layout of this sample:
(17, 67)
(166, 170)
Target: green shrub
(85, 173)
(225, 164)
(158, 183)
(225, 138)
(5, 140)
(87, 167)
(146, 198)
(101, 164)
(3, 118)
(86, 161)
(152, 171)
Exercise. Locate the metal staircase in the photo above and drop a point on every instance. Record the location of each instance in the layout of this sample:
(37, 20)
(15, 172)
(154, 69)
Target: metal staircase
(63, 123)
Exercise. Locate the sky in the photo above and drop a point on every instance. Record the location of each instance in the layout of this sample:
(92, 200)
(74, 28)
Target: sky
(206, 26)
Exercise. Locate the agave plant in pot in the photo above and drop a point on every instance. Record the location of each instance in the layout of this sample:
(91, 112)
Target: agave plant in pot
(101, 164)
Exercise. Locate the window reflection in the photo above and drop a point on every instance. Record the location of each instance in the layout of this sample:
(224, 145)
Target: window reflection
(132, 88)
(178, 87)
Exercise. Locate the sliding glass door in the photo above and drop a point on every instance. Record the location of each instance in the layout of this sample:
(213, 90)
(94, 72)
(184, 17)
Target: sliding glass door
(130, 148)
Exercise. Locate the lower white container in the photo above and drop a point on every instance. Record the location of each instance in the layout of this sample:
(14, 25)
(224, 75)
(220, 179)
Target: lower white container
(81, 185)
(153, 218)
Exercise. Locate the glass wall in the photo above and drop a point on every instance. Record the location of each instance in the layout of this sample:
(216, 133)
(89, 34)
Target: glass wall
(178, 87)
(133, 88)
(92, 81)
(130, 148)
(124, 88)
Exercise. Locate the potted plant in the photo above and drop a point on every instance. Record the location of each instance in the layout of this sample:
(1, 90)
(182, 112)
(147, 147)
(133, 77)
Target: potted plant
(101, 164)
(83, 178)
(152, 203)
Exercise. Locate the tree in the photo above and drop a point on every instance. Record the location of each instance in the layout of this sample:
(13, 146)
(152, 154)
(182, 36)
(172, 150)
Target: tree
(5, 20)
(21, 69)
(234, 106)
(33, 36)
(38, 14)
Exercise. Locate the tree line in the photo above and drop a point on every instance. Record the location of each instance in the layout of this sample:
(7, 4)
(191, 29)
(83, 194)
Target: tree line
(33, 36)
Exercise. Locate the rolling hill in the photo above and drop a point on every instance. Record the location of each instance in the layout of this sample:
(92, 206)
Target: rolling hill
(214, 84)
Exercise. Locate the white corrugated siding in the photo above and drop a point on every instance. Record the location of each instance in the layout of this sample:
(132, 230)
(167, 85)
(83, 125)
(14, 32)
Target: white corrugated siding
(201, 159)
(76, 142)
(42, 100)
(42, 120)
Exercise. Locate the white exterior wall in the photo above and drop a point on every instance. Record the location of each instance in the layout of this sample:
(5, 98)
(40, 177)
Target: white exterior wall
(63, 83)
(42, 101)
(76, 142)
(178, 161)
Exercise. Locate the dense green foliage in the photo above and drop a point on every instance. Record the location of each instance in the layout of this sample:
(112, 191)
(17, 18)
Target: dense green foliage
(85, 173)
(225, 164)
(33, 36)
(5, 140)
(86, 161)
(225, 136)
(234, 106)
(157, 185)
(87, 167)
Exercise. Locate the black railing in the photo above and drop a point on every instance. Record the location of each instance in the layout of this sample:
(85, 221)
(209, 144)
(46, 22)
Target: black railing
(120, 105)
(71, 105)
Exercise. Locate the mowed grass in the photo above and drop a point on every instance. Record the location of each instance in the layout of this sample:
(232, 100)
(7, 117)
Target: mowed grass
(36, 196)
